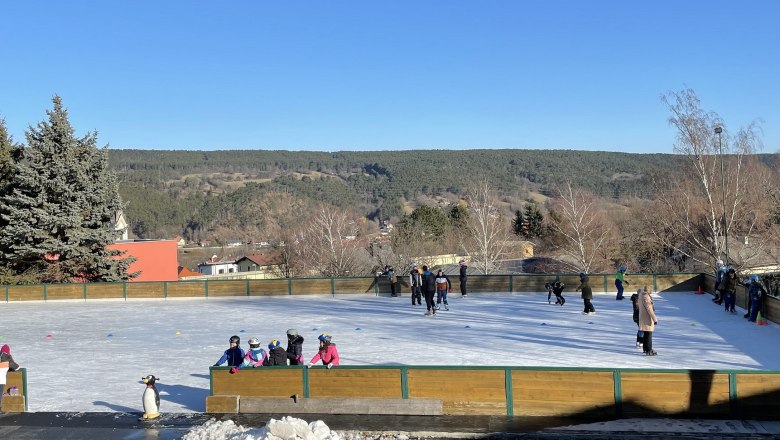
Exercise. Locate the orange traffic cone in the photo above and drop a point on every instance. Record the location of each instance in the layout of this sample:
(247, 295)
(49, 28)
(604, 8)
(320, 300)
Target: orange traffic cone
(700, 291)
(760, 320)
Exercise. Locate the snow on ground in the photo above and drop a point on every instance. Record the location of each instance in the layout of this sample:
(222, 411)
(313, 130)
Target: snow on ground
(90, 356)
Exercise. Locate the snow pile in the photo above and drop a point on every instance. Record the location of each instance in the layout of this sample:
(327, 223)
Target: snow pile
(289, 428)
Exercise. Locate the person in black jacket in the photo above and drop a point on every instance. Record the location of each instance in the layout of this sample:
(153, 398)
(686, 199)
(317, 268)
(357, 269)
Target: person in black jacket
(587, 294)
(640, 335)
(415, 282)
(294, 347)
(555, 287)
(277, 355)
(463, 277)
(429, 290)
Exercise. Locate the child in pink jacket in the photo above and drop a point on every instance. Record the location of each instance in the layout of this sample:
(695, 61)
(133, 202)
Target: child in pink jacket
(327, 352)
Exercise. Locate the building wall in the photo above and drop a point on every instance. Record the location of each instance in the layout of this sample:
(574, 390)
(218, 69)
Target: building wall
(156, 260)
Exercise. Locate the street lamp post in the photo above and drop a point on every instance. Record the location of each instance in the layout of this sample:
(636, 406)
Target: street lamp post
(718, 131)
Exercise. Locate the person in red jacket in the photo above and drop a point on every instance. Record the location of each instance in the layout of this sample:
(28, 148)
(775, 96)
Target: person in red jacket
(327, 352)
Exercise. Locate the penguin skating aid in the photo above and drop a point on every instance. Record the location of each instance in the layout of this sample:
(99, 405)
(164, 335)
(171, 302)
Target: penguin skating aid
(151, 398)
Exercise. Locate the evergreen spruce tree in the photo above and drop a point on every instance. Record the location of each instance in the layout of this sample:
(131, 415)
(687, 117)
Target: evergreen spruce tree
(59, 210)
(534, 220)
(518, 224)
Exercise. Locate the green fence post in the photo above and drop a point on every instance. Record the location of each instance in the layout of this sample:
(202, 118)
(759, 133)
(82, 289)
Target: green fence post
(510, 406)
(44, 293)
(289, 286)
(6, 293)
(206, 288)
(606, 286)
(305, 382)
(618, 392)
(332, 286)
(247, 287)
(165, 289)
(404, 383)
(124, 290)
(655, 284)
(511, 279)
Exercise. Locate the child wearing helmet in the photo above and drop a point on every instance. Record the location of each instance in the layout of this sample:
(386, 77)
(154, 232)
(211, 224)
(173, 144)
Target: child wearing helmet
(557, 290)
(587, 294)
(327, 352)
(255, 356)
(720, 277)
(277, 355)
(755, 294)
(294, 347)
(233, 355)
(7, 364)
(620, 280)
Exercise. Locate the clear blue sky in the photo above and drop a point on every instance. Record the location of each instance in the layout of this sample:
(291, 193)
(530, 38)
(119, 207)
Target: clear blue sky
(379, 75)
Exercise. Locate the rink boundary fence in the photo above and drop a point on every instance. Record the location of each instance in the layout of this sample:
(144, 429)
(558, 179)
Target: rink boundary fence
(515, 391)
(378, 286)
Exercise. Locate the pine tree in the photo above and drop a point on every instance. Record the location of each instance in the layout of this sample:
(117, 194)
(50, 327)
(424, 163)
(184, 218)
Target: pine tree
(518, 224)
(534, 220)
(60, 208)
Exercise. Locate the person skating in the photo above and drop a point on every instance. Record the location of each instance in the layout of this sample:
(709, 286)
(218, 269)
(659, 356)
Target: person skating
(640, 335)
(254, 357)
(429, 290)
(391, 275)
(294, 347)
(277, 355)
(557, 290)
(729, 290)
(442, 287)
(720, 276)
(415, 283)
(587, 294)
(620, 280)
(755, 293)
(234, 355)
(463, 277)
(327, 353)
(647, 321)
(555, 287)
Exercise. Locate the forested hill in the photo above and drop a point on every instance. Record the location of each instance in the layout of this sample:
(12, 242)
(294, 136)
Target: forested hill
(201, 184)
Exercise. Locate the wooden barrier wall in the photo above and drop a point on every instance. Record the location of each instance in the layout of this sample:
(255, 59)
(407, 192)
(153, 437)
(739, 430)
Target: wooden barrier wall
(674, 282)
(519, 391)
(18, 403)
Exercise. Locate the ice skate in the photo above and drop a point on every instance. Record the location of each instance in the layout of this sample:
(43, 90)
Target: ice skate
(651, 353)
(428, 313)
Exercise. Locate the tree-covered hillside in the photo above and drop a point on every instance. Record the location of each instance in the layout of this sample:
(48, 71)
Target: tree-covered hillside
(193, 192)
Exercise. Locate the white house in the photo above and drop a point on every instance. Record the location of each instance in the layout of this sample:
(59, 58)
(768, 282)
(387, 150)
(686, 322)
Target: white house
(216, 266)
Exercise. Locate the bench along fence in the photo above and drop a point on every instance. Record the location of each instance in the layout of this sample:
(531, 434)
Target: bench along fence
(16, 384)
(505, 391)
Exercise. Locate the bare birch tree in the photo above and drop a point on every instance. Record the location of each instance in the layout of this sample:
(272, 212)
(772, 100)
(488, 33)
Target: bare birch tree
(488, 231)
(331, 244)
(585, 231)
(695, 217)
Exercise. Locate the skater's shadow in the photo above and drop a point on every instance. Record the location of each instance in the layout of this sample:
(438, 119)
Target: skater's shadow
(115, 408)
(191, 398)
(201, 376)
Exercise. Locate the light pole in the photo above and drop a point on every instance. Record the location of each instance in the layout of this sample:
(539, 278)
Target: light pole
(718, 131)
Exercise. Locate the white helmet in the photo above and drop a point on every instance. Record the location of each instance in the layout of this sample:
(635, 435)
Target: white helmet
(254, 342)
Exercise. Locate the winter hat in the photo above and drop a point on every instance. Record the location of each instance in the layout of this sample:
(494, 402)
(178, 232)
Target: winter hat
(6, 349)
(462, 262)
